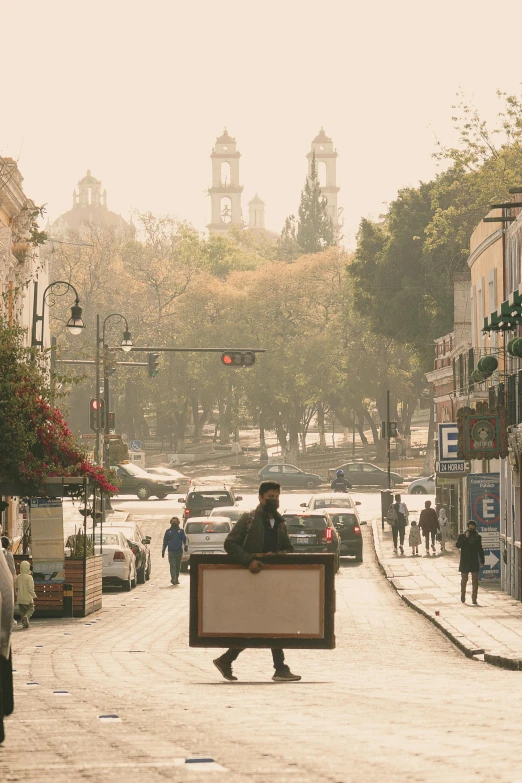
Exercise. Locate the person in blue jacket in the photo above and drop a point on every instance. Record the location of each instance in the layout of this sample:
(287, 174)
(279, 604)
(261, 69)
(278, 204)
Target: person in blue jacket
(174, 541)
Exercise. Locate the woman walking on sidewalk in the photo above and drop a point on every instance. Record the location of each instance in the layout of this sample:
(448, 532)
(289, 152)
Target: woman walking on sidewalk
(471, 558)
(443, 528)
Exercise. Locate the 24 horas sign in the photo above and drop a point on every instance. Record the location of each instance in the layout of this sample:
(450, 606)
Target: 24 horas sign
(482, 433)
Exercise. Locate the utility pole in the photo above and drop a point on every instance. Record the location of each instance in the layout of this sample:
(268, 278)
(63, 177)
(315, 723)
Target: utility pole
(97, 395)
(353, 435)
(388, 439)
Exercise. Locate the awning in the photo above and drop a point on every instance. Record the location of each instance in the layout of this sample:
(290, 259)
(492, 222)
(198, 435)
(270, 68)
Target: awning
(509, 316)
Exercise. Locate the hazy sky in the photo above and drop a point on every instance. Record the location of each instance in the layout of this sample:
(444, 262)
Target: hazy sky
(139, 91)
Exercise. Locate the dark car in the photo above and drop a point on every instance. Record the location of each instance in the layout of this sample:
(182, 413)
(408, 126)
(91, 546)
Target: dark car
(311, 532)
(133, 480)
(366, 474)
(348, 525)
(139, 544)
(202, 498)
(289, 476)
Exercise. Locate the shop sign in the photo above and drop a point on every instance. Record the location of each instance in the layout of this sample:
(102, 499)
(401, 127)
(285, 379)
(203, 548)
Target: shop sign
(484, 507)
(453, 466)
(482, 434)
(47, 547)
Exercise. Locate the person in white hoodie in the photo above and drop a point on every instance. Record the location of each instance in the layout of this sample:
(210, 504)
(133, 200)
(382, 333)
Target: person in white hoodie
(444, 528)
(25, 593)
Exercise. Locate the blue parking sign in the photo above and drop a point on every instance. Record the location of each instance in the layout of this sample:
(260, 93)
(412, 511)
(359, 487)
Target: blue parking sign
(484, 507)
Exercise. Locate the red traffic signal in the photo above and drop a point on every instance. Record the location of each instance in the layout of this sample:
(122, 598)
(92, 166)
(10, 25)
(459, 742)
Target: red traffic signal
(96, 407)
(238, 358)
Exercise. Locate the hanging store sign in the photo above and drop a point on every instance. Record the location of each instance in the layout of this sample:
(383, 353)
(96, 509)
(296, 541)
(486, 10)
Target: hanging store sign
(482, 433)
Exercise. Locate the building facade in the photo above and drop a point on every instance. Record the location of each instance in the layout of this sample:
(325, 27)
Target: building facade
(20, 266)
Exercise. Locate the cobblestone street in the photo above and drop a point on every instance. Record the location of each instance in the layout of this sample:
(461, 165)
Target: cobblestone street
(395, 701)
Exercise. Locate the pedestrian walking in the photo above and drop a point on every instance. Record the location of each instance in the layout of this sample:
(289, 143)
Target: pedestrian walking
(429, 524)
(471, 558)
(174, 541)
(414, 539)
(443, 528)
(261, 530)
(8, 555)
(25, 594)
(398, 518)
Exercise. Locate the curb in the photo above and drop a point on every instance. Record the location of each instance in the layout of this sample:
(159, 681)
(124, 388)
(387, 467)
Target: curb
(460, 641)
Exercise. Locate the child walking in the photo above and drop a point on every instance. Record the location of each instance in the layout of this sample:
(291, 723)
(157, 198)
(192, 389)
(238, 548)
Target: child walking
(25, 594)
(414, 539)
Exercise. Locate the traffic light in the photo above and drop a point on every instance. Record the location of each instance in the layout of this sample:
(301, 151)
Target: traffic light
(238, 358)
(383, 430)
(111, 421)
(96, 405)
(153, 361)
(392, 432)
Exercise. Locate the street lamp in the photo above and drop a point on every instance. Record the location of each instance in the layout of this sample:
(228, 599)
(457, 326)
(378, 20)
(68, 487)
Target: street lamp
(126, 345)
(75, 323)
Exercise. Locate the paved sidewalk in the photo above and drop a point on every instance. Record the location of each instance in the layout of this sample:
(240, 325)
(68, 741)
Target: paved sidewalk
(431, 585)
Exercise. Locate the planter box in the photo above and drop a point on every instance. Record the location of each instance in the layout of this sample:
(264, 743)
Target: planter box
(86, 579)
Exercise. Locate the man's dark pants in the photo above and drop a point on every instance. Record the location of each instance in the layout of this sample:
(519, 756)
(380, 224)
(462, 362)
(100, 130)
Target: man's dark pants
(175, 564)
(278, 655)
(398, 534)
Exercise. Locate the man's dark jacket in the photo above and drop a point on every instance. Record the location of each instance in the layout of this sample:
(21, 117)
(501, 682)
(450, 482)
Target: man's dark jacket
(241, 543)
(471, 553)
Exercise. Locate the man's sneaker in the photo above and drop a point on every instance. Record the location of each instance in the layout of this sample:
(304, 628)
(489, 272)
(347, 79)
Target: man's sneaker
(463, 599)
(402, 550)
(225, 669)
(25, 622)
(395, 549)
(285, 675)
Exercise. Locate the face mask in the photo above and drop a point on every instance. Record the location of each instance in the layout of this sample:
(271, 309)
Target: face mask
(472, 532)
(271, 505)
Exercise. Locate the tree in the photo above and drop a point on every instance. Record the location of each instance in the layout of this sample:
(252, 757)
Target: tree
(315, 230)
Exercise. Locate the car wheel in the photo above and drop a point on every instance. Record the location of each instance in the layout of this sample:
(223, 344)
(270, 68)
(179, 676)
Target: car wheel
(143, 492)
(359, 557)
(147, 572)
(338, 563)
(418, 491)
(310, 484)
(141, 576)
(127, 586)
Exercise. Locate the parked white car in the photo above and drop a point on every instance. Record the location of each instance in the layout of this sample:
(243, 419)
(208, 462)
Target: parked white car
(205, 537)
(230, 512)
(330, 500)
(119, 562)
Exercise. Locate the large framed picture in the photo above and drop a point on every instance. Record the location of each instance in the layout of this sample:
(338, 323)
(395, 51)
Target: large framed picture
(290, 603)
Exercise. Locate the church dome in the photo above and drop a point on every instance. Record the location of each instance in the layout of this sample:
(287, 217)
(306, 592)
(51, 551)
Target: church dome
(225, 138)
(90, 206)
(322, 138)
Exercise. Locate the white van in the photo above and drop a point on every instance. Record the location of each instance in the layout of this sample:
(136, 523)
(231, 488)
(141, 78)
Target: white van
(205, 536)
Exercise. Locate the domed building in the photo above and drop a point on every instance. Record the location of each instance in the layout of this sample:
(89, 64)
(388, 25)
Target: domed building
(90, 207)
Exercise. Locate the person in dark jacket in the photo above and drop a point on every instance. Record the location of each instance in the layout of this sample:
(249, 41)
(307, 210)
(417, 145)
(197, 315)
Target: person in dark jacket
(340, 482)
(174, 541)
(429, 524)
(263, 530)
(471, 558)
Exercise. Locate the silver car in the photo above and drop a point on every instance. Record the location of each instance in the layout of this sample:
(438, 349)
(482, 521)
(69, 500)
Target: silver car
(423, 486)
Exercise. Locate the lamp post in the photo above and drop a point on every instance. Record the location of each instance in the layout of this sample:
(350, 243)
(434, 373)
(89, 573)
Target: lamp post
(75, 323)
(125, 345)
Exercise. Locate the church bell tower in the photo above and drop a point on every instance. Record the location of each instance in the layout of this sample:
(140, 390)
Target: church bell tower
(225, 193)
(326, 162)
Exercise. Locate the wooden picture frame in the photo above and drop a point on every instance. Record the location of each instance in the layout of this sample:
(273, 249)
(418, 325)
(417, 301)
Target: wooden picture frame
(231, 607)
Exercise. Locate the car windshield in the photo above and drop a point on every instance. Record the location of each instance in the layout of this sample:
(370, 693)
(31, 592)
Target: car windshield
(335, 502)
(110, 539)
(209, 497)
(231, 513)
(305, 523)
(134, 470)
(205, 527)
(344, 519)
